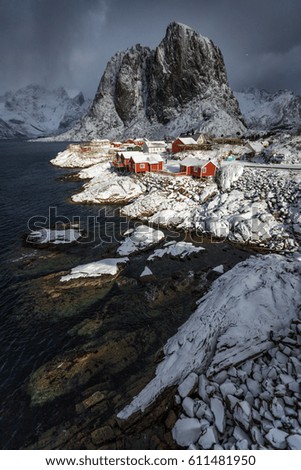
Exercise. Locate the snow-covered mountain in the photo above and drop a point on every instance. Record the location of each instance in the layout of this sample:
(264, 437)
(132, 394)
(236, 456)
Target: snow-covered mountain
(34, 111)
(180, 85)
(263, 110)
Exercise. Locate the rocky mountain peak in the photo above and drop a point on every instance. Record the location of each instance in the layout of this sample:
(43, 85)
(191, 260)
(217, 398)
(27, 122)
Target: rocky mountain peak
(186, 66)
(182, 31)
(179, 85)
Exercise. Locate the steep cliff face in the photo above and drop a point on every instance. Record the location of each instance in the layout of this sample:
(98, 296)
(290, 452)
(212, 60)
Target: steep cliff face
(120, 99)
(185, 66)
(179, 85)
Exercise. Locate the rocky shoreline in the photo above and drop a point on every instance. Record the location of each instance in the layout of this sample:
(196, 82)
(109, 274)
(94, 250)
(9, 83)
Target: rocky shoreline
(249, 406)
(204, 208)
(95, 426)
(152, 309)
(256, 207)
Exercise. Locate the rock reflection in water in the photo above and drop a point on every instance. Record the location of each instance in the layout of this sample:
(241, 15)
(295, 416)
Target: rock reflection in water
(117, 341)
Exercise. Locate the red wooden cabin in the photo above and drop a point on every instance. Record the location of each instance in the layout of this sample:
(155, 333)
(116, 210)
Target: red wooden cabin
(144, 163)
(198, 168)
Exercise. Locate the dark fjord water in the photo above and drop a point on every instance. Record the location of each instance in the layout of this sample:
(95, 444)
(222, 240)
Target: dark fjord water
(35, 325)
(29, 186)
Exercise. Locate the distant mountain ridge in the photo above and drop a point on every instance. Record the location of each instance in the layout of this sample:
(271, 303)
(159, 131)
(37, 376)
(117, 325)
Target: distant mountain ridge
(34, 111)
(270, 111)
(180, 85)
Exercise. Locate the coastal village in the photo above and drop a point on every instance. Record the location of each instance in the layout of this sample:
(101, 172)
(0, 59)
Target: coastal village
(151, 287)
(242, 189)
(214, 394)
(175, 195)
(190, 154)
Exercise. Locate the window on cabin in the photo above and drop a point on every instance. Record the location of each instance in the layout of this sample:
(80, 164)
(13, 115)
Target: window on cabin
(195, 169)
(204, 170)
(142, 165)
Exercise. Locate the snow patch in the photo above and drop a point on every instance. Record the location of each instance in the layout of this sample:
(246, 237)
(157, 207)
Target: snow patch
(109, 266)
(176, 250)
(55, 237)
(142, 238)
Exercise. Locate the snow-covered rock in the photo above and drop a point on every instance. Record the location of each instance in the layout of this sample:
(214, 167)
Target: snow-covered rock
(108, 187)
(229, 173)
(242, 414)
(219, 269)
(142, 238)
(227, 388)
(176, 249)
(54, 237)
(186, 431)
(160, 208)
(188, 407)
(277, 438)
(209, 192)
(259, 294)
(185, 388)
(146, 272)
(218, 411)
(261, 207)
(208, 439)
(284, 149)
(108, 267)
(73, 157)
(294, 442)
(267, 420)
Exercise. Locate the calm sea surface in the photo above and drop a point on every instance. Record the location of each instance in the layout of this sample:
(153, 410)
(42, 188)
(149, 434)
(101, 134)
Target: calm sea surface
(29, 186)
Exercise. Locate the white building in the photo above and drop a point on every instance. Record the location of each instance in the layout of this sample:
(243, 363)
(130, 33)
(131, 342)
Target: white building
(154, 146)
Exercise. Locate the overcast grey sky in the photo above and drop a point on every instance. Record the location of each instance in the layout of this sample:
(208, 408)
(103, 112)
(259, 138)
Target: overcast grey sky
(68, 42)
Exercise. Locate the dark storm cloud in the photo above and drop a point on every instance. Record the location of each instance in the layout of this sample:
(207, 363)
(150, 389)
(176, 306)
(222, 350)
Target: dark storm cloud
(51, 42)
(68, 42)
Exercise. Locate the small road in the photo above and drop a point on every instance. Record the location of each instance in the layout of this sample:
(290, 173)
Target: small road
(268, 166)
